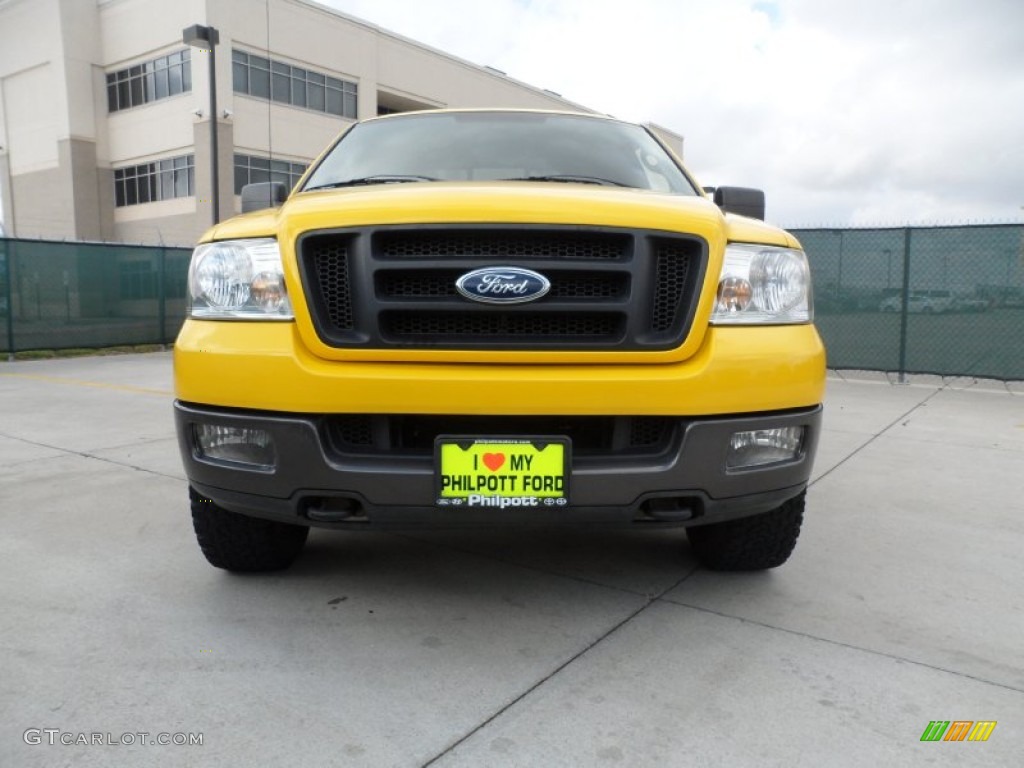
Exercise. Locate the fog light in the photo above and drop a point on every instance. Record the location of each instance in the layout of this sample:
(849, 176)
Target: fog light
(253, 448)
(764, 446)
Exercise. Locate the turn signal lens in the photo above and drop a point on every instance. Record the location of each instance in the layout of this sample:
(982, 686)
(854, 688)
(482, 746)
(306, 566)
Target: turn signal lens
(734, 295)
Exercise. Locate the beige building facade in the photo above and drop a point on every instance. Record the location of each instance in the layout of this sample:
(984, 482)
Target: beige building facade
(104, 111)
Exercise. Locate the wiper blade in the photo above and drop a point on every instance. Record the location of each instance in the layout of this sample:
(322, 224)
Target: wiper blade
(567, 178)
(381, 178)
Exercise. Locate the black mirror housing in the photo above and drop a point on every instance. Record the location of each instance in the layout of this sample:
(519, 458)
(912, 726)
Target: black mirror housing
(743, 201)
(266, 194)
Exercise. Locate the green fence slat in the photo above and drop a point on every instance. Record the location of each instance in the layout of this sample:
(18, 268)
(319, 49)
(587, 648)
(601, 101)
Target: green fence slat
(63, 295)
(954, 307)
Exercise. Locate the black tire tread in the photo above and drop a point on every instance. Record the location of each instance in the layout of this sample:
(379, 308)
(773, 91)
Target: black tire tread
(241, 543)
(750, 543)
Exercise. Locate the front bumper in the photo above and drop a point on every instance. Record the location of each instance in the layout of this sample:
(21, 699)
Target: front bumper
(312, 483)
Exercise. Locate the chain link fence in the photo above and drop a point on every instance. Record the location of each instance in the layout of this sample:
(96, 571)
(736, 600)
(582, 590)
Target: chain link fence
(61, 295)
(938, 300)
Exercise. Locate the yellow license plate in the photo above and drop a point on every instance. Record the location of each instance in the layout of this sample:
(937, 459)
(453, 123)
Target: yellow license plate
(502, 472)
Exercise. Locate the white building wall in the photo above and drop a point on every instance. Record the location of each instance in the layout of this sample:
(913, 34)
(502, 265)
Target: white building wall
(30, 79)
(55, 54)
(81, 51)
(33, 122)
(133, 30)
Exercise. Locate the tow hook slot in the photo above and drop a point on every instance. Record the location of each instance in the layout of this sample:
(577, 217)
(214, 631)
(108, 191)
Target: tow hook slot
(333, 510)
(669, 509)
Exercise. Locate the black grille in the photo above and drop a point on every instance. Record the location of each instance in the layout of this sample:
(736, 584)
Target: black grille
(394, 287)
(353, 431)
(417, 285)
(504, 244)
(414, 435)
(394, 284)
(468, 326)
(589, 286)
(333, 284)
(648, 431)
(670, 285)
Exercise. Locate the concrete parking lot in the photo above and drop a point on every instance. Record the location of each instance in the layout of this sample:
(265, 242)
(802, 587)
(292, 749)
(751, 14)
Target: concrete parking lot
(903, 604)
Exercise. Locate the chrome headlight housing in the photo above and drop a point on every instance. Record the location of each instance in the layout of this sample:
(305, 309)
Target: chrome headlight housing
(238, 280)
(763, 285)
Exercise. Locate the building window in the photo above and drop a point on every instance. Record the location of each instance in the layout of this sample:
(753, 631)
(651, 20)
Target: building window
(252, 170)
(274, 80)
(151, 81)
(150, 182)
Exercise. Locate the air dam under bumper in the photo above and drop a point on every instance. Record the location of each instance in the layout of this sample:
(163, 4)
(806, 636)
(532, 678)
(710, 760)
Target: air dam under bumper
(312, 484)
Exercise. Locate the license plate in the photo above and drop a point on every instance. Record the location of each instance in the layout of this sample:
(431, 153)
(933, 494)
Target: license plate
(502, 472)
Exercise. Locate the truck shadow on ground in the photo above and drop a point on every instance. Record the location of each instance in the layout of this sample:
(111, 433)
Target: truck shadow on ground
(641, 561)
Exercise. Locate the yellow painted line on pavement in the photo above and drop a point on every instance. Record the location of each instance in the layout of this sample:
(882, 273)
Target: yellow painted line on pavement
(94, 384)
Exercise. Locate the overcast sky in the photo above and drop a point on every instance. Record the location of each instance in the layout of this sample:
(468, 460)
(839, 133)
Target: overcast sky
(865, 112)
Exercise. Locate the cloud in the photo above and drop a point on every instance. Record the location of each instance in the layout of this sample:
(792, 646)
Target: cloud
(895, 110)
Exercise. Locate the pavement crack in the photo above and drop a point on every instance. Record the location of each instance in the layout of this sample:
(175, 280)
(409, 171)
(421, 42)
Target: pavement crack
(874, 437)
(87, 455)
(529, 567)
(649, 601)
(841, 644)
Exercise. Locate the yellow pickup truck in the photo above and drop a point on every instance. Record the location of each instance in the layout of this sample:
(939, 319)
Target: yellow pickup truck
(497, 317)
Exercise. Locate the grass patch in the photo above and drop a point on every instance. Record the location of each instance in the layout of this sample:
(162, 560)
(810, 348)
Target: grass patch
(53, 354)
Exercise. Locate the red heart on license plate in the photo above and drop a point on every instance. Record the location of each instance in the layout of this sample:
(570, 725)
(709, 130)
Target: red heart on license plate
(493, 461)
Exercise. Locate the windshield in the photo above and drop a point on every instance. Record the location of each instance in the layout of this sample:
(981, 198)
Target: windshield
(488, 146)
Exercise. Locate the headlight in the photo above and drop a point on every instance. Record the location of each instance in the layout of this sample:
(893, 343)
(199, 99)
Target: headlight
(763, 284)
(238, 279)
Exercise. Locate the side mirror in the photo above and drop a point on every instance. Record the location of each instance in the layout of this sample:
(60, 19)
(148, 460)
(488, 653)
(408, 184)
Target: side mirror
(266, 194)
(741, 200)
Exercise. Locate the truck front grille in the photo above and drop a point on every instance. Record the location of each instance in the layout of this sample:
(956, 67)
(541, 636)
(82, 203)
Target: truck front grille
(394, 287)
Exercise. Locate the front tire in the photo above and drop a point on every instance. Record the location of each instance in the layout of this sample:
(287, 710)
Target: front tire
(750, 543)
(240, 543)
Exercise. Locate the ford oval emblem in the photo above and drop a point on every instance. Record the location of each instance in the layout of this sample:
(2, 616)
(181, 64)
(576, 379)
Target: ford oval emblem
(503, 285)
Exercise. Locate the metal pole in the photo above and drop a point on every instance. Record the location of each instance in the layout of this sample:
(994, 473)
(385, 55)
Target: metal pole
(906, 306)
(214, 149)
(839, 280)
(206, 39)
(9, 296)
(161, 283)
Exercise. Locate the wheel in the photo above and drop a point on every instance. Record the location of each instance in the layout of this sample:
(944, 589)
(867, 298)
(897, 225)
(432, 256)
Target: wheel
(750, 543)
(240, 543)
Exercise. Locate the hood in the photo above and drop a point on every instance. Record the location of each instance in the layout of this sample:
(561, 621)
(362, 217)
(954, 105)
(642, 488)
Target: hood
(498, 203)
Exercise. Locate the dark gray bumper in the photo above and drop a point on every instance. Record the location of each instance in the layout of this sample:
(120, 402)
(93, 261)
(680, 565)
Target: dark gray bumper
(313, 485)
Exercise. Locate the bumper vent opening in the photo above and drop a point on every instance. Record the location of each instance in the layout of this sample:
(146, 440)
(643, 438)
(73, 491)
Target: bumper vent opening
(413, 435)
